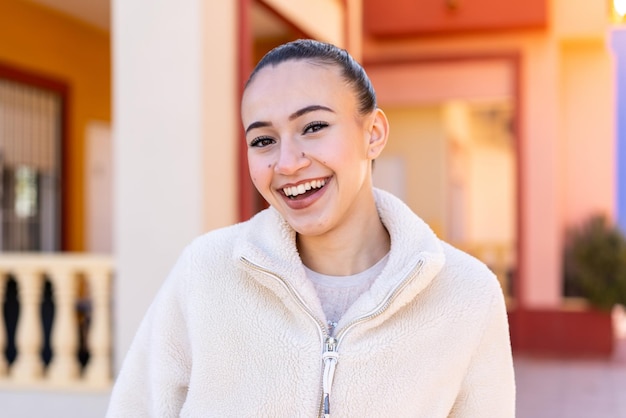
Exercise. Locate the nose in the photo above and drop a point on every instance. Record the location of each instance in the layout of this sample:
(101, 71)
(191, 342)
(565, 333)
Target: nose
(291, 159)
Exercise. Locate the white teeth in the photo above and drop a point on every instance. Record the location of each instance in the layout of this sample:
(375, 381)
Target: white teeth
(302, 188)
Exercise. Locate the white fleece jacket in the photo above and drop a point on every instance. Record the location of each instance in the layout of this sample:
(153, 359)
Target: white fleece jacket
(238, 331)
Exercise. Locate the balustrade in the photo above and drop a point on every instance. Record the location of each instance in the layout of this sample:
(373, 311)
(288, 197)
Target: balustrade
(80, 321)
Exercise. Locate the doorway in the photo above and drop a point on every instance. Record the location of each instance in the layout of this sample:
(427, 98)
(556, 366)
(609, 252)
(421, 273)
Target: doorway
(453, 153)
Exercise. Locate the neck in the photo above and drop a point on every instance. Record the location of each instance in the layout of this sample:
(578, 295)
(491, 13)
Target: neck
(353, 249)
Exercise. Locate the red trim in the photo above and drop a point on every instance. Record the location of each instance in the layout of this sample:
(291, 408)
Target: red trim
(405, 18)
(66, 190)
(518, 288)
(19, 75)
(10, 72)
(519, 278)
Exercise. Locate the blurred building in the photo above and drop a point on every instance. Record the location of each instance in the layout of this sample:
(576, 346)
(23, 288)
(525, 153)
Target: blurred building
(121, 136)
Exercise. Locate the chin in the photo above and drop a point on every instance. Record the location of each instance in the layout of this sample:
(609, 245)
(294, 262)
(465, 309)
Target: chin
(309, 230)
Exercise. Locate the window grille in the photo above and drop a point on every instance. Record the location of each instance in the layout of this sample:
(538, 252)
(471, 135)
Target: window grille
(30, 143)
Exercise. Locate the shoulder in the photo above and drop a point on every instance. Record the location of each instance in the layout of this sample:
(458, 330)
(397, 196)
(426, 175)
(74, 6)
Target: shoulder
(218, 250)
(223, 240)
(218, 240)
(209, 252)
(468, 277)
(459, 261)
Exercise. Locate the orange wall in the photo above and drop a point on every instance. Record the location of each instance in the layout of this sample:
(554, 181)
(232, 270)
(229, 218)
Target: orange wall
(587, 103)
(41, 41)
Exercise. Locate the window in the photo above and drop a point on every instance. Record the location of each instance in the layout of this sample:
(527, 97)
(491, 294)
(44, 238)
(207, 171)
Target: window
(30, 143)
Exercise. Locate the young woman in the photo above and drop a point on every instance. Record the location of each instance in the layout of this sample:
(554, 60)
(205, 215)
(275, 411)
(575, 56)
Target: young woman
(337, 299)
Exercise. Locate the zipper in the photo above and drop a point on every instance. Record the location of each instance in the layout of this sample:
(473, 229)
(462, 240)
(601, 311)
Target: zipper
(330, 359)
(321, 326)
(382, 307)
(332, 343)
(330, 355)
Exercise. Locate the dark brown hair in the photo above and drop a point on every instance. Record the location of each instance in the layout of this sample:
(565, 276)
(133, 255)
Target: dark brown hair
(316, 51)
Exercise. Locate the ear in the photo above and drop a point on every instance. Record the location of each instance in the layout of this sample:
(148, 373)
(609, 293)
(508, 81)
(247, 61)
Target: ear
(378, 134)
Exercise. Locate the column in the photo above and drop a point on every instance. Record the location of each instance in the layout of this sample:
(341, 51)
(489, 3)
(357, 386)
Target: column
(174, 140)
(98, 371)
(64, 366)
(3, 361)
(28, 365)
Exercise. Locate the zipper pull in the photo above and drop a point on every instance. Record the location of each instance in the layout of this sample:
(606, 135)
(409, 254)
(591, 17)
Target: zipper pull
(330, 358)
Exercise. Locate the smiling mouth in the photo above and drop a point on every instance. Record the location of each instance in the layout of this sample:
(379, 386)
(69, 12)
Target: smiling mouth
(304, 189)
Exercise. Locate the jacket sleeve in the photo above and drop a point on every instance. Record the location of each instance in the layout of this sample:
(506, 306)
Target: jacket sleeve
(154, 376)
(488, 390)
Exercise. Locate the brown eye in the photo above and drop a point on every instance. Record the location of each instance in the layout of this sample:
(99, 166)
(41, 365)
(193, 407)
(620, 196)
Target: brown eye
(314, 127)
(261, 142)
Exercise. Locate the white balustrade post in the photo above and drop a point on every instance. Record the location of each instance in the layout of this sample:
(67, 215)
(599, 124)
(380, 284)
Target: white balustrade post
(3, 360)
(28, 365)
(64, 365)
(98, 371)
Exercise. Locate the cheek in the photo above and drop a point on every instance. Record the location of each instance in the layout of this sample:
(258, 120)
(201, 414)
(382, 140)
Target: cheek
(260, 171)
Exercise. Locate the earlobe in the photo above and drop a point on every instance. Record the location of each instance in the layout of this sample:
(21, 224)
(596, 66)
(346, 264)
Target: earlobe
(379, 133)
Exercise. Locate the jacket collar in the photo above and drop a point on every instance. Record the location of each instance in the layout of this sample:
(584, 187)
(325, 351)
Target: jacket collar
(270, 242)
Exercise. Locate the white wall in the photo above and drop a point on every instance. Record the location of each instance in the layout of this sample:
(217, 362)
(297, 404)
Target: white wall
(99, 190)
(174, 124)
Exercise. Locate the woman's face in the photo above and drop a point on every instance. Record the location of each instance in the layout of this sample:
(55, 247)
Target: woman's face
(309, 150)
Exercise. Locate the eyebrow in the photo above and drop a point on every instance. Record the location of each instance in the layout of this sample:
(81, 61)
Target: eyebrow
(309, 109)
(295, 115)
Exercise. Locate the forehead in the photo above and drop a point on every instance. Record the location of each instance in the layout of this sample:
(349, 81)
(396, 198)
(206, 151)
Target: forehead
(292, 85)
